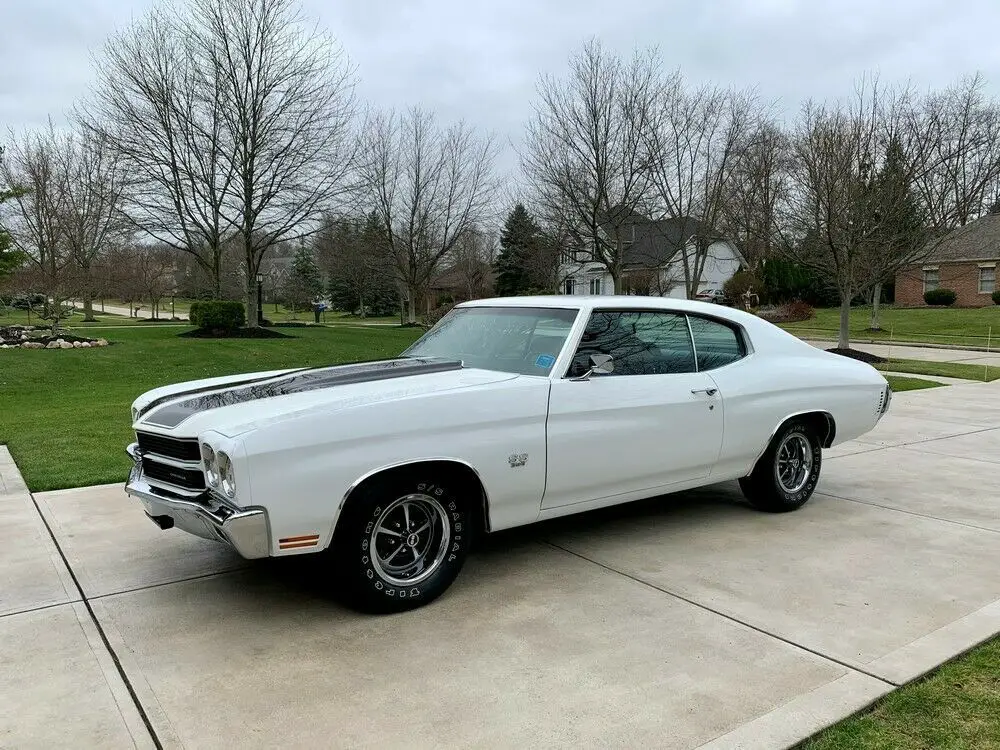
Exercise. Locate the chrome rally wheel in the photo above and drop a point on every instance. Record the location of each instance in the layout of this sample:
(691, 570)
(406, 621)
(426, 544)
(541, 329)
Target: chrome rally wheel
(410, 540)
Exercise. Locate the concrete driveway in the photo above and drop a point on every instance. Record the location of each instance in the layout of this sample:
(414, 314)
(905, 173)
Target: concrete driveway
(688, 621)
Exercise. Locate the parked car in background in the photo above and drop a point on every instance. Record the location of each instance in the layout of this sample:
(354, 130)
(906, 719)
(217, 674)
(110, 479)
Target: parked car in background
(506, 412)
(715, 296)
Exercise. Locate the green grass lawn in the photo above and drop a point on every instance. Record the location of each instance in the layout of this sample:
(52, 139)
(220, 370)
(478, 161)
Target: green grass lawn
(954, 326)
(899, 383)
(65, 414)
(942, 369)
(956, 708)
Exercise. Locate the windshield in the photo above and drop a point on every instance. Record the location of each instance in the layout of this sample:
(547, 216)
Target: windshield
(523, 340)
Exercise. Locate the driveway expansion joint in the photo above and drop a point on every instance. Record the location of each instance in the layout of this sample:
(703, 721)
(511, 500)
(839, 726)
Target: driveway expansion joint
(731, 618)
(100, 631)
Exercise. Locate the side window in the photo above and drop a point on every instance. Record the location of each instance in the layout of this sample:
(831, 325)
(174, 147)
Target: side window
(716, 343)
(641, 343)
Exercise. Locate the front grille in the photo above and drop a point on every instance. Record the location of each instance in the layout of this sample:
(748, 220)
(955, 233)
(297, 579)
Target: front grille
(182, 450)
(192, 479)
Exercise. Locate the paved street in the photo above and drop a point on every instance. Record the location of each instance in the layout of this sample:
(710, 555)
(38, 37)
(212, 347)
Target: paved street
(683, 622)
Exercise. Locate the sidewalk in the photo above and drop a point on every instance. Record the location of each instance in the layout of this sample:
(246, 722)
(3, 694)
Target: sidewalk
(927, 354)
(164, 312)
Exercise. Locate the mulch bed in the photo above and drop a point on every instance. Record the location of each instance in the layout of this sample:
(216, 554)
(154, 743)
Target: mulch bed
(860, 356)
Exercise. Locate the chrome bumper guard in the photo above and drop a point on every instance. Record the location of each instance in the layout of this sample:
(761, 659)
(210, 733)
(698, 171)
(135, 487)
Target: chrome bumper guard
(244, 529)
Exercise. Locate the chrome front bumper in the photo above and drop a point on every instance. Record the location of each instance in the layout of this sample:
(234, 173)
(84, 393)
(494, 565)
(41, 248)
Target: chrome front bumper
(244, 529)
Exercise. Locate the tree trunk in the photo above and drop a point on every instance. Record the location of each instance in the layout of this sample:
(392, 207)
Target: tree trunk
(88, 307)
(876, 299)
(216, 274)
(844, 338)
(616, 282)
(411, 308)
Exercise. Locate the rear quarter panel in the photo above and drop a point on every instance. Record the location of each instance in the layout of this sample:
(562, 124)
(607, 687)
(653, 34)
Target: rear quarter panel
(763, 390)
(301, 469)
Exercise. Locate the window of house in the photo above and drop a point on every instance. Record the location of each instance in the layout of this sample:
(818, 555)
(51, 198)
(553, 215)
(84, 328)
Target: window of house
(987, 279)
(641, 343)
(715, 343)
(595, 286)
(932, 278)
(570, 286)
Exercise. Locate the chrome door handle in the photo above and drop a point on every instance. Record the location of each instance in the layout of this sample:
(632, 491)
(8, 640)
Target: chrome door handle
(706, 391)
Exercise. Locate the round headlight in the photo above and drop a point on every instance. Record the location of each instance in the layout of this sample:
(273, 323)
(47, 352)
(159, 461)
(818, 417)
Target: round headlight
(211, 466)
(226, 475)
(135, 414)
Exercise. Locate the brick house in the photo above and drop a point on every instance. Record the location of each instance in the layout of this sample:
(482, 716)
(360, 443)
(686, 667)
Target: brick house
(965, 261)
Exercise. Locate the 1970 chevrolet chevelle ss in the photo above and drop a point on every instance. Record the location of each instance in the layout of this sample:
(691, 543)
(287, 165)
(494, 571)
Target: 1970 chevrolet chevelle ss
(506, 412)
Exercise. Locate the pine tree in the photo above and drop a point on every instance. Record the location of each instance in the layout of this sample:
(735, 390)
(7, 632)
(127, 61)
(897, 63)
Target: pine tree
(305, 284)
(518, 242)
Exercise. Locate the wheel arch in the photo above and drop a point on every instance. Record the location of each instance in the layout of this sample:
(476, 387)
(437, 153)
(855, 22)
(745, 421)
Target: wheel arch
(822, 421)
(462, 471)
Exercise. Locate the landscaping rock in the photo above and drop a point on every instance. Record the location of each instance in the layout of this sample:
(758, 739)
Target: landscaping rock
(77, 344)
(52, 345)
(65, 345)
(32, 345)
(101, 342)
(85, 344)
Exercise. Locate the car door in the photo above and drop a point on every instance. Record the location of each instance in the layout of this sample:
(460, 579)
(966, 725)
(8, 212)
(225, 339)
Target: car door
(652, 422)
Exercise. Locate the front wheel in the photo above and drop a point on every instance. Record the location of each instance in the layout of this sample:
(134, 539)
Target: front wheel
(785, 477)
(401, 543)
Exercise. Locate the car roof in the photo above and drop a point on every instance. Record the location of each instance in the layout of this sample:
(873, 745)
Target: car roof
(619, 302)
(763, 335)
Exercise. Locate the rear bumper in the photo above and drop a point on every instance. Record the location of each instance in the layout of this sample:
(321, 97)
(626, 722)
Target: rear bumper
(244, 529)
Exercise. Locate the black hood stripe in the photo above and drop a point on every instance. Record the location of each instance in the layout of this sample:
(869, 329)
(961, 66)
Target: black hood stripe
(173, 414)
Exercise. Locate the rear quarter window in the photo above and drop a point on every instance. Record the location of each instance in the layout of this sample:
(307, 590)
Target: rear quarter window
(716, 344)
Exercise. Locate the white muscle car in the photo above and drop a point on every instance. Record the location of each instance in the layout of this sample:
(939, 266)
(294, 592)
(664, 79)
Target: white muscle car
(507, 412)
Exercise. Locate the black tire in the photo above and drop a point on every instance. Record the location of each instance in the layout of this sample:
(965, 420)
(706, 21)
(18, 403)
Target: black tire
(372, 564)
(771, 487)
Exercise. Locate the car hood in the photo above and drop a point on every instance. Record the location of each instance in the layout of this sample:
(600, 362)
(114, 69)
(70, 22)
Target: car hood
(236, 404)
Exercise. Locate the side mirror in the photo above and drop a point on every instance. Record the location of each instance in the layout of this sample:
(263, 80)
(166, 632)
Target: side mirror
(600, 364)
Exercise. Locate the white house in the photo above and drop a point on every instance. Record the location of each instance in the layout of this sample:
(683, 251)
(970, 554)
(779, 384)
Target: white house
(654, 260)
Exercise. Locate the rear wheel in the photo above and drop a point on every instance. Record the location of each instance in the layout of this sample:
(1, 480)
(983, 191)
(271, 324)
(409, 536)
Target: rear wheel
(785, 477)
(401, 542)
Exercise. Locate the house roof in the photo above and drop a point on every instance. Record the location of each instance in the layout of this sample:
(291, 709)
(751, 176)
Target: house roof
(977, 240)
(654, 243)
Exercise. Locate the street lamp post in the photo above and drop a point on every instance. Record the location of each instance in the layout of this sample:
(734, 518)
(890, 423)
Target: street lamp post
(260, 299)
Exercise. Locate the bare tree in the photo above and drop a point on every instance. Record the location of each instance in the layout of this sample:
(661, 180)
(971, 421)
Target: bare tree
(427, 186)
(91, 186)
(696, 142)
(963, 175)
(160, 109)
(143, 273)
(587, 151)
(473, 259)
(287, 106)
(844, 221)
(30, 170)
(757, 193)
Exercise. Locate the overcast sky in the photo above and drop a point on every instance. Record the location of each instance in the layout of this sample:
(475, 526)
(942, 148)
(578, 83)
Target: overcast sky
(479, 60)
